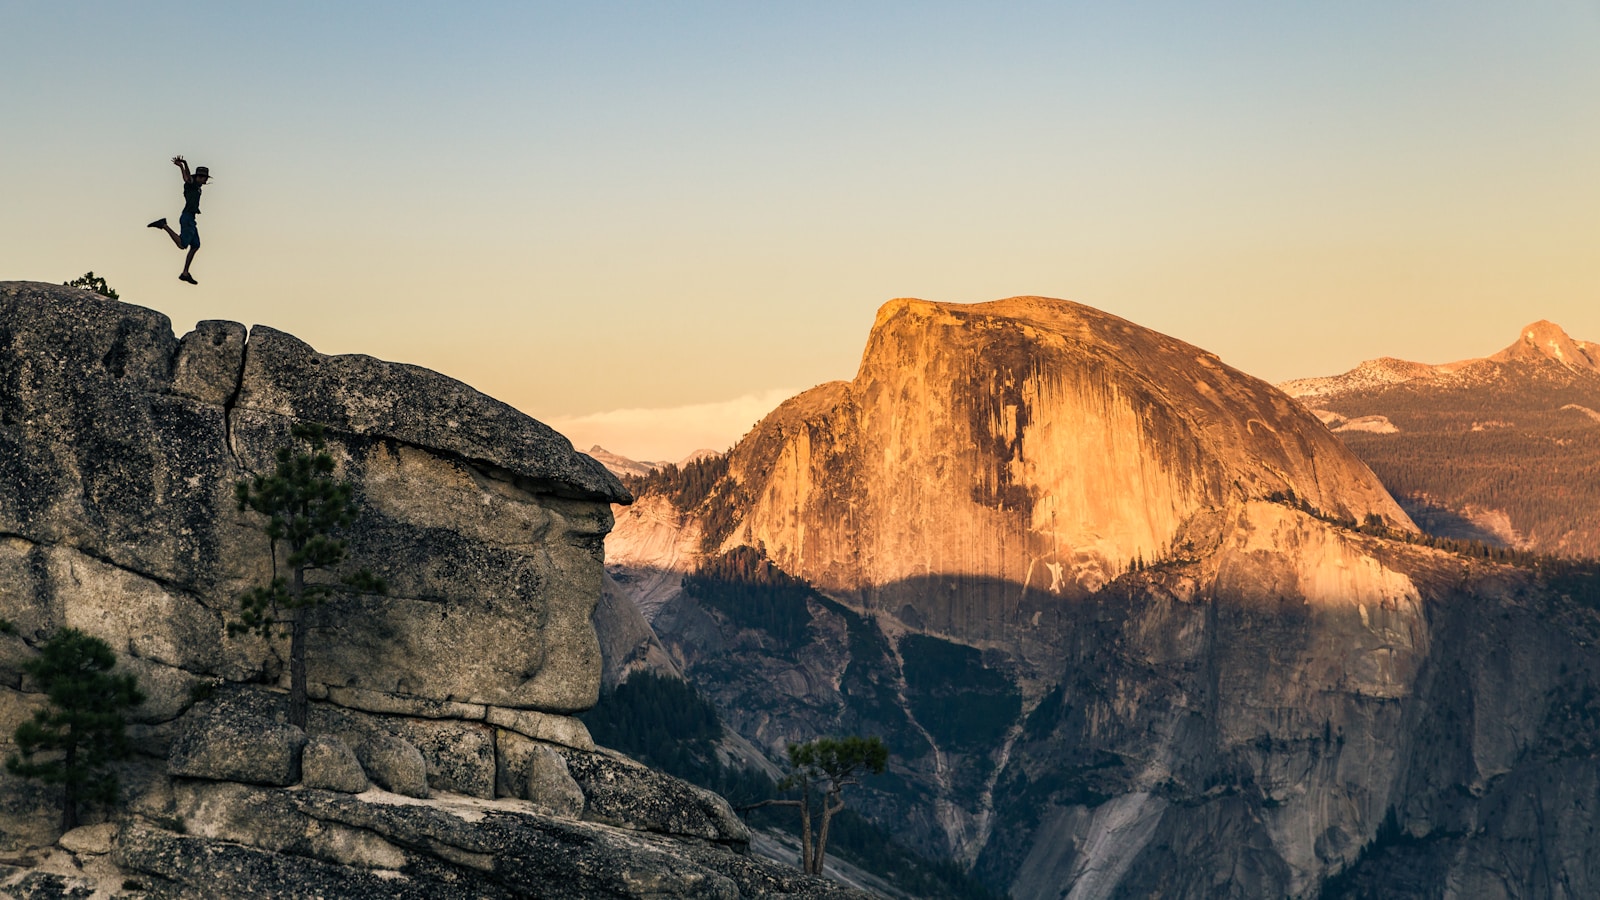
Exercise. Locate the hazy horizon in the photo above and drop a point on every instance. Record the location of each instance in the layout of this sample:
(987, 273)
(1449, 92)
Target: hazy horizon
(598, 212)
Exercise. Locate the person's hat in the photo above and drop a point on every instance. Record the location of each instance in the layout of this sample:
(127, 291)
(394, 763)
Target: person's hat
(202, 172)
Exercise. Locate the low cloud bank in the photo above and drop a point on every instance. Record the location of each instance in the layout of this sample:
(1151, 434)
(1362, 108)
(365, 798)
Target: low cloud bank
(669, 434)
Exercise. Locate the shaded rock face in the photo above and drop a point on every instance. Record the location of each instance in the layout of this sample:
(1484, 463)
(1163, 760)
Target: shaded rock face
(258, 842)
(119, 449)
(627, 643)
(242, 737)
(1239, 716)
(329, 764)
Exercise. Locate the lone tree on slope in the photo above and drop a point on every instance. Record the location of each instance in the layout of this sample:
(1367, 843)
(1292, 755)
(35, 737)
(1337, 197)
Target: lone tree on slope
(831, 765)
(304, 505)
(92, 282)
(82, 732)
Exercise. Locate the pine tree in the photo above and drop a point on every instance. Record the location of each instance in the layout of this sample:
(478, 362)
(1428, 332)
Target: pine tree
(82, 731)
(92, 282)
(831, 765)
(304, 505)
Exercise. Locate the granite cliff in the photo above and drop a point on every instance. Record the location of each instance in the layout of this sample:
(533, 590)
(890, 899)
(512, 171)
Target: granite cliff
(1132, 622)
(1052, 443)
(442, 757)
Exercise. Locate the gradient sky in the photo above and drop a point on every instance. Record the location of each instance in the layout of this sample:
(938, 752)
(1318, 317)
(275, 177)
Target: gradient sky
(634, 220)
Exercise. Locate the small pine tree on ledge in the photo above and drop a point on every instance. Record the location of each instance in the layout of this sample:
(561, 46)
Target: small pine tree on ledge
(73, 741)
(304, 505)
(831, 764)
(92, 282)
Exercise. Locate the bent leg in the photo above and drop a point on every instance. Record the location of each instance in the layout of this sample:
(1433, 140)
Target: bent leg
(186, 261)
(190, 237)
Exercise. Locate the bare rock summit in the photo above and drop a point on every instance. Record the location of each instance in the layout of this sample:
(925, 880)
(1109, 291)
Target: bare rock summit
(1053, 444)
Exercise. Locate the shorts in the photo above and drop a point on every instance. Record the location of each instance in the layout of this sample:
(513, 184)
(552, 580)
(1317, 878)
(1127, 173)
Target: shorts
(188, 233)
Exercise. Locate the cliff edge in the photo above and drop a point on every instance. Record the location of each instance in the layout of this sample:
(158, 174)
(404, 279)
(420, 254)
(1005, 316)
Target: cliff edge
(441, 757)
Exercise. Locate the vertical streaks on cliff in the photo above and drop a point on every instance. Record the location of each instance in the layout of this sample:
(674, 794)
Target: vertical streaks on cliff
(1116, 472)
(980, 443)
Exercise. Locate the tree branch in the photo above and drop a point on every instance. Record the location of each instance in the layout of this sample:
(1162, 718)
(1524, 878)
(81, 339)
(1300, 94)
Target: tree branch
(744, 809)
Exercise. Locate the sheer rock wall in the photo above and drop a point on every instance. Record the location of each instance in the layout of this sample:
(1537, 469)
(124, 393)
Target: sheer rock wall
(1052, 445)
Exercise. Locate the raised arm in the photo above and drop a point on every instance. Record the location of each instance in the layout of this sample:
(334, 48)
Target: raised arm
(183, 166)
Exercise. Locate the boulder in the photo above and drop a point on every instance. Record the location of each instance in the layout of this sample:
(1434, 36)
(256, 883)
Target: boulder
(458, 756)
(621, 792)
(395, 765)
(328, 763)
(241, 734)
(548, 782)
(93, 840)
(536, 772)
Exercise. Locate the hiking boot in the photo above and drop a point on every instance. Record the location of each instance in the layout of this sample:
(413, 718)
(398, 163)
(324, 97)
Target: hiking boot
(159, 223)
(187, 277)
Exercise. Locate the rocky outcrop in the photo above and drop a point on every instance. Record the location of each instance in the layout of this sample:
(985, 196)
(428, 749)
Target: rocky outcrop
(1542, 344)
(442, 756)
(627, 643)
(119, 449)
(1133, 624)
(326, 844)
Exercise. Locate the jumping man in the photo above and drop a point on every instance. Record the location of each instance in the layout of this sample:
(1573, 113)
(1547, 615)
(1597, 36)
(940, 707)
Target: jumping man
(189, 235)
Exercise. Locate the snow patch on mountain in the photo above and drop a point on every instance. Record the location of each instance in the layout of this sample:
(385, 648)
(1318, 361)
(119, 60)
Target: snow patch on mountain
(1372, 424)
(1539, 342)
(1583, 409)
(1337, 422)
(621, 465)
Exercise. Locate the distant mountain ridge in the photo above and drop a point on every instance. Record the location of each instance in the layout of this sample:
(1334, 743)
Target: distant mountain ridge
(1504, 449)
(1542, 341)
(621, 466)
(1370, 374)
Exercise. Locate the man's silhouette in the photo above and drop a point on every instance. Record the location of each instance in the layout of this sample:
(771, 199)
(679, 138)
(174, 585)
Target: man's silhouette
(189, 233)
